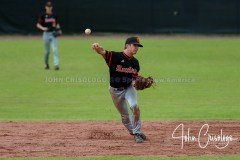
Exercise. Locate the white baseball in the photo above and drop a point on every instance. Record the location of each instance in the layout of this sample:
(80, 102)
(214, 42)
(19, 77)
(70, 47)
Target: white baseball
(87, 31)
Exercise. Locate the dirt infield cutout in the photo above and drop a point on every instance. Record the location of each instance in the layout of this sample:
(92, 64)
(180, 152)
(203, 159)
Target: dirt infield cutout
(76, 139)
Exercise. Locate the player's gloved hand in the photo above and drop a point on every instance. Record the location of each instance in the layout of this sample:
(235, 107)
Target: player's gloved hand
(57, 32)
(142, 83)
(98, 48)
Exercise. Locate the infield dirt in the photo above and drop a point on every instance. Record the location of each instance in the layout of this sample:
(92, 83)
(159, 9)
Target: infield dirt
(77, 139)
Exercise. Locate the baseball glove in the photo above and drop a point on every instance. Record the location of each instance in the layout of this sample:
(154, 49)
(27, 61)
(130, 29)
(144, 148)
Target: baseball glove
(142, 83)
(57, 32)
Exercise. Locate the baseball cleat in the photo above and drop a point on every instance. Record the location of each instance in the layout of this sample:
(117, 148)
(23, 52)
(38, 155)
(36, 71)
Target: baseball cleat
(56, 68)
(47, 66)
(143, 136)
(138, 138)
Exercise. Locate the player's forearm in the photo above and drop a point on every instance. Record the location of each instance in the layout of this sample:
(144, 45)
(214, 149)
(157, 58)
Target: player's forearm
(103, 52)
(103, 55)
(39, 26)
(99, 49)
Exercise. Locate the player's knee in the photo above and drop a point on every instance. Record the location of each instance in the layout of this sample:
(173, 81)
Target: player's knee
(134, 106)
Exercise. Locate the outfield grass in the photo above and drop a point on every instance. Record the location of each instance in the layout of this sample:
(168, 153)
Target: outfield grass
(212, 66)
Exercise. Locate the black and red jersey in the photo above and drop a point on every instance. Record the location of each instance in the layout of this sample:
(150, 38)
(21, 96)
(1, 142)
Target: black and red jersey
(123, 69)
(48, 20)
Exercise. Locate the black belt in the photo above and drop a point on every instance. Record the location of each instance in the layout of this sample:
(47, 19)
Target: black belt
(119, 89)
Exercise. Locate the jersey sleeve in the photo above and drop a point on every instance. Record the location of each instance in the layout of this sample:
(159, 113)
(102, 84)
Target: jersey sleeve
(109, 57)
(40, 19)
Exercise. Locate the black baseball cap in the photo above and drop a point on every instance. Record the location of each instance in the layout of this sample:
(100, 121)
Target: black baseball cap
(49, 4)
(134, 40)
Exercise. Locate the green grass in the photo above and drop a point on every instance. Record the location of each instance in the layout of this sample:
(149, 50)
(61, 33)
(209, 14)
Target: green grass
(234, 157)
(211, 64)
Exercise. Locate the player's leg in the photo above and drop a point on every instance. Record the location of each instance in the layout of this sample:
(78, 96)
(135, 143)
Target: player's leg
(55, 52)
(122, 107)
(47, 42)
(131, 97)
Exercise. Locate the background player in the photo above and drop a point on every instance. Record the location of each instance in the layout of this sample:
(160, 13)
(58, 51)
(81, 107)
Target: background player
(48, 23)
(124, 68)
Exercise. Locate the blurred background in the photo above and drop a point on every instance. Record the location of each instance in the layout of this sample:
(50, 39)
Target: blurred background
(124, 16)
(196, 40)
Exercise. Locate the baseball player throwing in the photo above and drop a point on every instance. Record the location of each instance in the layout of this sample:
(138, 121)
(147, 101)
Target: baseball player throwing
(124, 68)
(48, 23)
